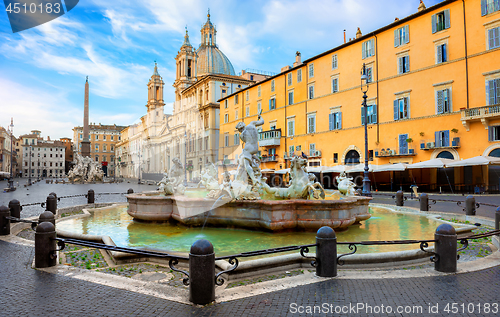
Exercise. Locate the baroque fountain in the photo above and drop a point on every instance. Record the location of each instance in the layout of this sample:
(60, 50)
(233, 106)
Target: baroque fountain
(247, 201)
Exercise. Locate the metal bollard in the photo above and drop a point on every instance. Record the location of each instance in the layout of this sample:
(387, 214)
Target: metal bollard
(445, 248)
(470, 206)
(130, 191)
(90, 196)
(53, 194)
(51, 204)
(15, 208)
(424, 202)
(202, 272)
(4, 223)
(326, 252)
(497, 219)
(45, 245)
(399, 198)
(47, 216)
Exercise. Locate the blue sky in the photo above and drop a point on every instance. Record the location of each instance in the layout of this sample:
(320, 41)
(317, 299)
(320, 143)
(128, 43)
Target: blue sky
(115, 43)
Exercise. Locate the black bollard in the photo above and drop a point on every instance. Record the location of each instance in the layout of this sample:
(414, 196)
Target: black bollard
(399, 198)
(45, 245)
(202, 273)
(90, 196)
(424, 202)
(51, 204)
(497, 219)
(130, 191)
(53, 194)
(15, 208)
(326, 252)
(470, 206)
(445, 248)
(4, 222)
(47, 216)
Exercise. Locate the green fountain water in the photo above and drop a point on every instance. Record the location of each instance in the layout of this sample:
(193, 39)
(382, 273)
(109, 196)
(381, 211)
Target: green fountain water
(125, 232)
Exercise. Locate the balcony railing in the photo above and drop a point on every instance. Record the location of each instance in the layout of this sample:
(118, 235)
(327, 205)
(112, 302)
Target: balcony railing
(270, 138)
(483, 114)
(430, 145)
(289, 155)
(270, 158)
(314, 153)
(392, 152)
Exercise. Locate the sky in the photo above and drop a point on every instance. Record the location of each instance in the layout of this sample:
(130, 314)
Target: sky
(116, 42)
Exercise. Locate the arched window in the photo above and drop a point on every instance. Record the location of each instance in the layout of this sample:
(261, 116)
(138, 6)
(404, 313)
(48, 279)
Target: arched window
(352, 157)
(495, 153)
(445, 155)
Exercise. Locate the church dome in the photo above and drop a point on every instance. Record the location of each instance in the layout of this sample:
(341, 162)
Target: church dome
(211, 60)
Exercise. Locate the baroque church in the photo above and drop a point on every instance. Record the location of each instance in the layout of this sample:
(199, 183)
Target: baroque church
(191, 132)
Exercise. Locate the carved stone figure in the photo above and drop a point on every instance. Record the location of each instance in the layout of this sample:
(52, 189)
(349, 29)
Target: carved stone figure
(85, 170)
(173, 184)
(209, 177)
(345, 184)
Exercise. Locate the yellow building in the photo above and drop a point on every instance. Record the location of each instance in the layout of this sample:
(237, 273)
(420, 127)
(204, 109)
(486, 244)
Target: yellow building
(434, 93)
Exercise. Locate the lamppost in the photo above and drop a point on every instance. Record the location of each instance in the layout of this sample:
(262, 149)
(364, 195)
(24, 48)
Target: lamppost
(139, 172)
(364, 89)
(11, 179)
(185, 158)
(38, 170)
(29, 166)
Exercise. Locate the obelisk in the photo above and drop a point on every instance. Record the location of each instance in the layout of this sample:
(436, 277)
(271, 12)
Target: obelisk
(86, 140)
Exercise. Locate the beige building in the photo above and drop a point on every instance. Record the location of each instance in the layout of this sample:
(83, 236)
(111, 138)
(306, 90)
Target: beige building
(41, 158)
(102, 144)
(5, 151)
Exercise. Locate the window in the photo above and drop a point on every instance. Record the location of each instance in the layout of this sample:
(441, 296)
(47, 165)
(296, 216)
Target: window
(247, 111)
(311, 70)
(493, 92)
(258, 91)
(494, 133)
(371, 111)
(97, 158)
(312, 149)
(290, 97)
(112, 138)
(335, 121)
(236, 99)
(236, 138)
(291, 150)
(311, 123)
(403, 144)
(402, 108)
(489, 6)
(272, 85)
(259, 107)
(289, 76)
(334, 62)
(494, 38)
(225, 104)
(402, 36)
(440, 21)
(443, 101)
(226, 118)
(272, 104)
(335, 157)
(299, 75)
(236, 115)
(104, 148)
(96, 137)
(112, 149)
(247, 95)
(403, 64)
(311, 91)
(441, 53)
(367, 49)
(335, 85)
(81, 136)
(291, 127)
(104, 137)
(226, 139)
(97, 147)
(442, 138)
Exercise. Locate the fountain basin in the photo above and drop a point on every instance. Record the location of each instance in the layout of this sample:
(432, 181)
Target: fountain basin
(269, 215)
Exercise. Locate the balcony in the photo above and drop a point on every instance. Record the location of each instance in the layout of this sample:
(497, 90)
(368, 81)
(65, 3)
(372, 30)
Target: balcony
(270, 138)
(269, 158)
(393, 153)
(431, 145)
(314, 153)
(483, 114)
(289, 155)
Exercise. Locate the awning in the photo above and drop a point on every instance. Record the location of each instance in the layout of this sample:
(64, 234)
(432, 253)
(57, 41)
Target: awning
(336, 169)
(316, 169)
(283, 171)
(360, 168)
(434, 163)
(478, 160)
(389, 167)
(267, 170)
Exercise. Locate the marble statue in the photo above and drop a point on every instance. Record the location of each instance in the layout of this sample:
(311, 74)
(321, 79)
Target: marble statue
(173, 184)
(209, 177)
(345, 185)
(85, 170)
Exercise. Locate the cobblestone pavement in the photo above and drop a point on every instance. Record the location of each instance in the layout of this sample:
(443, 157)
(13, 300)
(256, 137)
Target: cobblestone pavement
(28, 292)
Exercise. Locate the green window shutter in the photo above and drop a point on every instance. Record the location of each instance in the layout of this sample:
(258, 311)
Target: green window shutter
(492, 100)
(407, 60)
(448, 93)
(362, 115)
(339, 118)
(407, 102)
(484, 9)
(374, 114)
(437, 138)
(491, 38)
(497, 94)
(396, 37)
(490, 133)
(407, 34)
(447, 18)
(439, 101)
(496, 35)
(400, 65)
(372, 47)
(363, 50)
(487, 90)
(446, 141)
(330, 121)
(396, 110)
(439, 54)
(434, 23)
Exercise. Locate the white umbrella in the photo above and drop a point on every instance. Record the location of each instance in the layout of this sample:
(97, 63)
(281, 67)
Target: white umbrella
(434, 163)
(283, 171)
(360, 168)
(267, 170)
(478, 160)
(336, 169)
(389, 167)
(315, 169)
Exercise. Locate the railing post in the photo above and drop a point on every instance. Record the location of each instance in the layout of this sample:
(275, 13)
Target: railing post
(45, 245)
(424, 202)
(399, 198)
(4, 222)
(497, 219)
(202, 272)
(326, 252)
(51, 204)
(90, 196)
(47, 216)
(130, 191)
(470, 206)
(445, 248)
(15, 208)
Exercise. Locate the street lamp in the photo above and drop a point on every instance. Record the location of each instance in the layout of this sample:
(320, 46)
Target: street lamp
(185, 158)
(11, 179)
(38, 170)
(364, 88)
(29, 166)
(139, 172)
